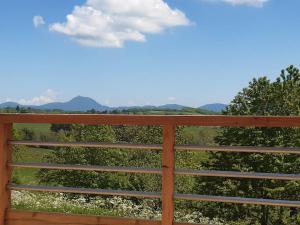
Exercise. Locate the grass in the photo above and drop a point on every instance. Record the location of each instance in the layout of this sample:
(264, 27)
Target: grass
(30, 155)
(202, 135)
(36, 128)
(41, 132)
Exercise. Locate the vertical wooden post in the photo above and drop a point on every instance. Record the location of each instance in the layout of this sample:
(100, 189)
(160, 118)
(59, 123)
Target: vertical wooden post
(168, 164)
(5, 172)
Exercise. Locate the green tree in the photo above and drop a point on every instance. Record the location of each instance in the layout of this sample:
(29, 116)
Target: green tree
(261, 97)
(113, 157)
(60, 127)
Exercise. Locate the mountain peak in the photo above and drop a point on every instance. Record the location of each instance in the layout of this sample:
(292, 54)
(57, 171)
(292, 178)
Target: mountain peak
(80, 98)
(172, 106)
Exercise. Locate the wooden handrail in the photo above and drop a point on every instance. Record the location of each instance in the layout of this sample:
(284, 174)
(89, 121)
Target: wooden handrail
(159, 120)
(168, 172)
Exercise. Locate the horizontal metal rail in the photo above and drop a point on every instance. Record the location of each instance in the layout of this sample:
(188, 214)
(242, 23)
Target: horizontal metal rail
(242, 149)
(87, 168)
(208, 173)
(236, 174)
(138, 194)
(88, 144)
(238, 200)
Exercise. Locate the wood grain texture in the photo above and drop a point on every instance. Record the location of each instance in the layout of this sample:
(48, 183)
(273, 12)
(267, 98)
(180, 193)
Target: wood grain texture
(39, 218)
(15, 217)
(168, 161)
(5, 170)
(176, 120)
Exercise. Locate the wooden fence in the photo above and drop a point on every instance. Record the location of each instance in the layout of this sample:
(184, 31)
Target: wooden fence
(9, 216)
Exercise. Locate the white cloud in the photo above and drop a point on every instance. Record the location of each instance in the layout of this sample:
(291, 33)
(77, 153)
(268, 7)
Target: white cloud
(7, 100)
(38, 21)
(256, 3)
(110, 23)
(172, 99)
(48, 96)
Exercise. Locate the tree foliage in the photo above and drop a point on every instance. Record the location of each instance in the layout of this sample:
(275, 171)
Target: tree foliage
(267, 98)
(111, 157)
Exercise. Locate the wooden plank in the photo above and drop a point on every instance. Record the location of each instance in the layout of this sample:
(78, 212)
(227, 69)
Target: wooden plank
(122, 169)
(88, 145)
(90, 191)
(5, 170)
(238, 200)
(189, 120)
(241, 149)
(168, 161)
(236, 174)
(16, 217)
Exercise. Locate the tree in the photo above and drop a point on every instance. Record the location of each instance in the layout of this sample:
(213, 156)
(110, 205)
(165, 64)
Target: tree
(28, 134)
(261, 97)
(60, 127)
(113, 157)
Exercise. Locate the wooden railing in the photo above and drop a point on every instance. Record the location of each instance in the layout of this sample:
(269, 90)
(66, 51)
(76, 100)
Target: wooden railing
(9, 216)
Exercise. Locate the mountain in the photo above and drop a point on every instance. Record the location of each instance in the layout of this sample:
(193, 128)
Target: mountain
(9, 105)
(78, 103)
(215, 107)
(172, 107)
(83, 104)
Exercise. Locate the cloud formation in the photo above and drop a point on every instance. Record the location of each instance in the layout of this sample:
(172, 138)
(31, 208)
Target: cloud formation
(48, 96)
(38, 21)
(172, 99)
(110, 23)
(256, 3)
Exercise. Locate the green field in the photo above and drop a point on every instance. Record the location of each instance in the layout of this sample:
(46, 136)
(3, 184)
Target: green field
(29, 155)
(201, 135)
(37, 128)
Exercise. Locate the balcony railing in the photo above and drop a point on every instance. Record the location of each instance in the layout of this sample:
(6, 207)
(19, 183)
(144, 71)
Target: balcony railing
(9, 216)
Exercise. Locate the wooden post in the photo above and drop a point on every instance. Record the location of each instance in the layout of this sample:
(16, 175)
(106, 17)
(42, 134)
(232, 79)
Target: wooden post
(5, 171)
(168, 164)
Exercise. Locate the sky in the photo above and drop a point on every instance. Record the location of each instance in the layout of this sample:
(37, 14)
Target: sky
(143, 52)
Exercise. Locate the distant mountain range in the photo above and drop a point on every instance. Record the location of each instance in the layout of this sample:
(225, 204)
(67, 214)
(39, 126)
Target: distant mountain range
(216, 107)
(82, 104)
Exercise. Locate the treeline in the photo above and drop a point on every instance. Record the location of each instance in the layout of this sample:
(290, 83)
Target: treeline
(138, 110)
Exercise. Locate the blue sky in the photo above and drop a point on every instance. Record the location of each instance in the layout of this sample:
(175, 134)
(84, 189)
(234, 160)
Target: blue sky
(204, 52)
